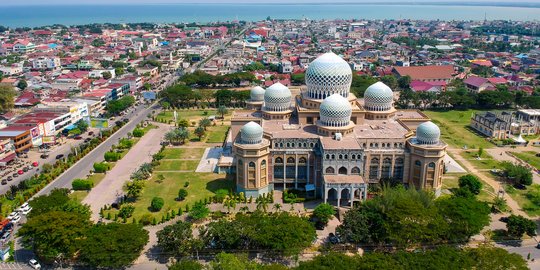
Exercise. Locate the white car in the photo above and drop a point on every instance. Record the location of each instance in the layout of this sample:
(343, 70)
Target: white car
(26, 210)
(34, 264)
(16, 219)
(13, 215)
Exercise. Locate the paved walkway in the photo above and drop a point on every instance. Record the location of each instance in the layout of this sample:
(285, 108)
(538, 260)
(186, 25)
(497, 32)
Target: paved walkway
(452, 166)
(209, 159)
(516, 209)
(110, 188)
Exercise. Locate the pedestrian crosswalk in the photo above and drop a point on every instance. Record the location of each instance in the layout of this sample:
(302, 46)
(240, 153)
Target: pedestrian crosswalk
(7, 265)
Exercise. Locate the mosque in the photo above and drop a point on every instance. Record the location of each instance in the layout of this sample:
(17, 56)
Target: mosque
(331, 144)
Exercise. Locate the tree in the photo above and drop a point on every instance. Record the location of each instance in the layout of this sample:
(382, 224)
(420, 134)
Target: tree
(157, 203)
(182, 194)
(126, 211)
(205, 123)
(82, 125)
(466, 216)
(112, 245)
(134, 188)
(52, 235)
(186, 265)
(470, 182)
(57, 200)
(404, 82)
(390, 81)
(200, 132)
(199, 211)
(176, 239)
(518, 225)
(98, 42)
(495, 258)
(106, 75)
(7, 98)
(183, 123)
(225, 261)
(520, 175)
(222, 110)
(323, 213)
(22, 84)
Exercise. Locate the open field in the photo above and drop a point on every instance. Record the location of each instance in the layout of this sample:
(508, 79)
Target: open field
(455, 130)
(216, 134)
(177, 165)
(521, 197)
(201, 186)
(451, 181)
(183, 153)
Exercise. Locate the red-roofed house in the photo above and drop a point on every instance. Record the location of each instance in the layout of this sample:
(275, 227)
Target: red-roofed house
(426, 73)
(478, 84)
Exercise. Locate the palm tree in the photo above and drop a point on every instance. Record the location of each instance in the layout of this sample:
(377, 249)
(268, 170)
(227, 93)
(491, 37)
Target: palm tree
(277, 207)
(170, 136)
(199, 131)
(205, 122)
(183, 134)
(222, 110)
(262, 203)
(244, 209)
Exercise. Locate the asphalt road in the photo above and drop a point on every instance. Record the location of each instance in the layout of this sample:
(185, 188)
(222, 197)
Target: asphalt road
(83, 166)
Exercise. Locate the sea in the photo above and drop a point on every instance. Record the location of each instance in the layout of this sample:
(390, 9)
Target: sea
(32, 16)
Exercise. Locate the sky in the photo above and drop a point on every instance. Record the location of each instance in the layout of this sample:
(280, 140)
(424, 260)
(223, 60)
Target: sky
(71, 2)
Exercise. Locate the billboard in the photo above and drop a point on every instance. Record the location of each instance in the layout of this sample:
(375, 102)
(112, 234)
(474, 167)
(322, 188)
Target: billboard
(99, 123)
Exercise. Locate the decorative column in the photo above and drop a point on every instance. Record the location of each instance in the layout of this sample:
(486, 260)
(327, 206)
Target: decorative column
(284, 171)
(351, 194)
(295, 171)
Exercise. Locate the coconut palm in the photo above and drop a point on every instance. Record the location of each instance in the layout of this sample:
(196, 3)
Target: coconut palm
(277, 207)
(182, 134)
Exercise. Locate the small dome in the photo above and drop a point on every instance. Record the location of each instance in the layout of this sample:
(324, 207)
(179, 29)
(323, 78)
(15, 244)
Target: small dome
(257, 93)
(327, 75)
(428, 133)
(277, 98)
(251, 133)
(378, 97)
(335, 111)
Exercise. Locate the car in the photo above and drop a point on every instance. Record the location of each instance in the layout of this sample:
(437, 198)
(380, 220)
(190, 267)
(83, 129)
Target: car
(25, 169)
(125, 120)
(90, 133)
(25, 211)
(12, 215)
(60, 156)
(35, 164)
(34, 264)
(87, 140)
(78, 137)
(538, 246)
(5, 237)
(4, 182)
(20, 172)
(25, 205)
(7, 228)
(333, 238)
(9, 178)
(44, 156)
(16, 219)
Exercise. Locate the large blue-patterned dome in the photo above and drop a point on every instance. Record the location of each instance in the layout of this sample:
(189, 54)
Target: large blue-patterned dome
(277, 98)
(257, 94)
(251, 133)
(428, 133)
(378, 97)
(327, 75)
(335, 111)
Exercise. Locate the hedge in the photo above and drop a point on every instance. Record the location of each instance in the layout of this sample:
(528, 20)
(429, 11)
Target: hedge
(101, 167)
(82, 184)
(111, 156)
(138, 132)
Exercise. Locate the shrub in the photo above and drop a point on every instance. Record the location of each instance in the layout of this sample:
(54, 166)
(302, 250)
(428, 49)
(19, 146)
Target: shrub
(125, 143)
(138, 132)
(518, 225)
(126, 211)
(323, 212)
(186, 184)
(221, 194)
(182, 194)
(111, 156)
(146, 219)
(157, 203)
(199, 211)
(82, 184)
(101, 167)
(470, 182)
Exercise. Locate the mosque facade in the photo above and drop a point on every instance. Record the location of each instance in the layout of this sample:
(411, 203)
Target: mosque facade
(328, 142)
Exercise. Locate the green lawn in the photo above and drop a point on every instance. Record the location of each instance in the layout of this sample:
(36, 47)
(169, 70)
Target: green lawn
(216, 134)
(520, 196)
(486, 162)
(201, 186)
(183, 153)
(455, 129)
(177, 165)
(529, 157)
(451, 181)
